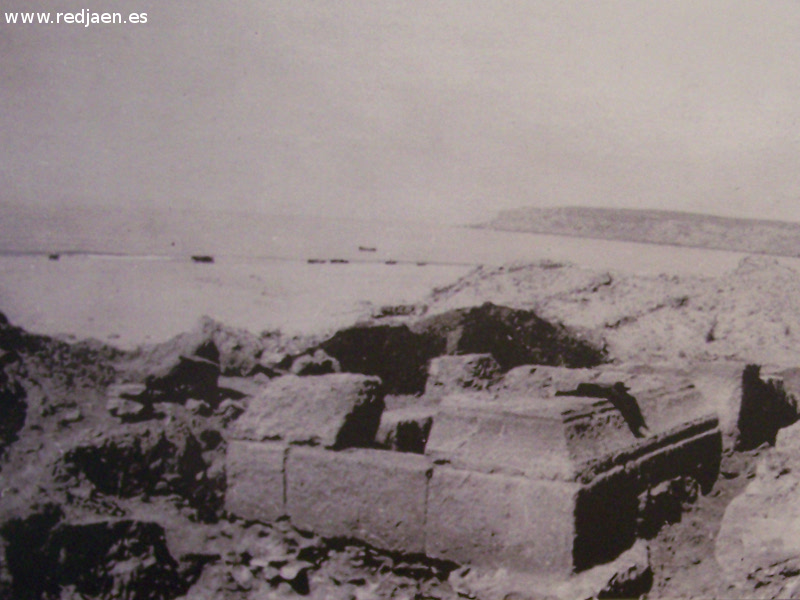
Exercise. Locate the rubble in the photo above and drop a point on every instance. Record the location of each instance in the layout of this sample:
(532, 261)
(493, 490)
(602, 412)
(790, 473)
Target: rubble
(489, 477)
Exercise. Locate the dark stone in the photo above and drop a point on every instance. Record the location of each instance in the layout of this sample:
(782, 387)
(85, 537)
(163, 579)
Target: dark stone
(765, 409)
(122, 559)
(143, 462)
(13, 409)
(192, 377)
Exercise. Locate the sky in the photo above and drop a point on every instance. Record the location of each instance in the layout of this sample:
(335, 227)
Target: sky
(442, 110)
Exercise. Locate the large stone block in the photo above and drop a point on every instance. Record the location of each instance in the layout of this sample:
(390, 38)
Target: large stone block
(255, 476)
(406, 429)
(768, 404)
(447, 374)
(758, 544)
(720, 383)
(340, 410)
(582, 443)
(650, 400)
(498, 520)
(614, 506)
(372, 495)
(546, 438)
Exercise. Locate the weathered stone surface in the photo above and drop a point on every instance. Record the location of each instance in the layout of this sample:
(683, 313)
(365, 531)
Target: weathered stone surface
(372, 495)
(499, 520)
(628, 576)
(447, 374)
(610, 514)
(759, 538)
(255, 480)
(341, 410)
(546, 438)
(583, 441)
(406, 429)
(720, 383)
(649, 400)
(318, 363)
(129, 391)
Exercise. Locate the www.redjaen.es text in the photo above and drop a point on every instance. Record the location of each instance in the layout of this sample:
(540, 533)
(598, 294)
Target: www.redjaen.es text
(83, 17)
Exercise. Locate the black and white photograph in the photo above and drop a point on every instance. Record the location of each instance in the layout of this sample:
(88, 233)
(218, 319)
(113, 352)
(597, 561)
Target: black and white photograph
(393, 300)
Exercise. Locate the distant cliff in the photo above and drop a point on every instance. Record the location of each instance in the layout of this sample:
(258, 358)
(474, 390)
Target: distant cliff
(656, 227)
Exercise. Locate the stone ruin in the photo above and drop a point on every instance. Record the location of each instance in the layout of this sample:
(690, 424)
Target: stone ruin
(547, 471)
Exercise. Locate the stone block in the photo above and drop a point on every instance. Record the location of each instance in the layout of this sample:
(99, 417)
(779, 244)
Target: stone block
(406, 429)
(720, 383)
(546, 438)
(448, 374)
(340, 410)
(372, 495)
(651, 400)
(582, 442)
(501, 520)
(255, 476)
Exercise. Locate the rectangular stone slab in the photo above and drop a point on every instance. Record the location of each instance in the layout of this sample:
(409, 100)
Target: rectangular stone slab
(255, 480)
(546, 438)
(666, 398)
(373, 495)
(338, 410)
(486, 440)
(497, 520)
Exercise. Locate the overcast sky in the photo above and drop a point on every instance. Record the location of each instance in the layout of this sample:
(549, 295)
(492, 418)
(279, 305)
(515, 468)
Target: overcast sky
(444, 109)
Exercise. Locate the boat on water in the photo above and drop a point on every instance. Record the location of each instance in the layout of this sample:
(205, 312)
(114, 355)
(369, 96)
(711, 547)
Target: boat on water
(202, 258)
(367, 249)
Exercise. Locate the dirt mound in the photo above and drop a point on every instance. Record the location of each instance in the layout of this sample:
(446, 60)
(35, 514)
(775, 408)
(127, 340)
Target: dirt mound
(750, 314)
(394, 353)
(400, 353)
(513, 337)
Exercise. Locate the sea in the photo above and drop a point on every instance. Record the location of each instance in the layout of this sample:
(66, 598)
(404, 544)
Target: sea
(129, 278)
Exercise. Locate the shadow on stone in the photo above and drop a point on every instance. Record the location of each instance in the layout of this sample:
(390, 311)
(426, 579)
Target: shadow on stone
(765, 409)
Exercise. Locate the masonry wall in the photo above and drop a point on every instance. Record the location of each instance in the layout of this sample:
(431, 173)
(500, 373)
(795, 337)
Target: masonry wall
(408, 503)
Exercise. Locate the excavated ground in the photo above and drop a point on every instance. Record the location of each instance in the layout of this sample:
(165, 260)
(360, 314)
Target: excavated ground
(102, 499)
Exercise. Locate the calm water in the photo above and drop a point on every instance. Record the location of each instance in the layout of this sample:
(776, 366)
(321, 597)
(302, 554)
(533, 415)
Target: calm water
(142, 287)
